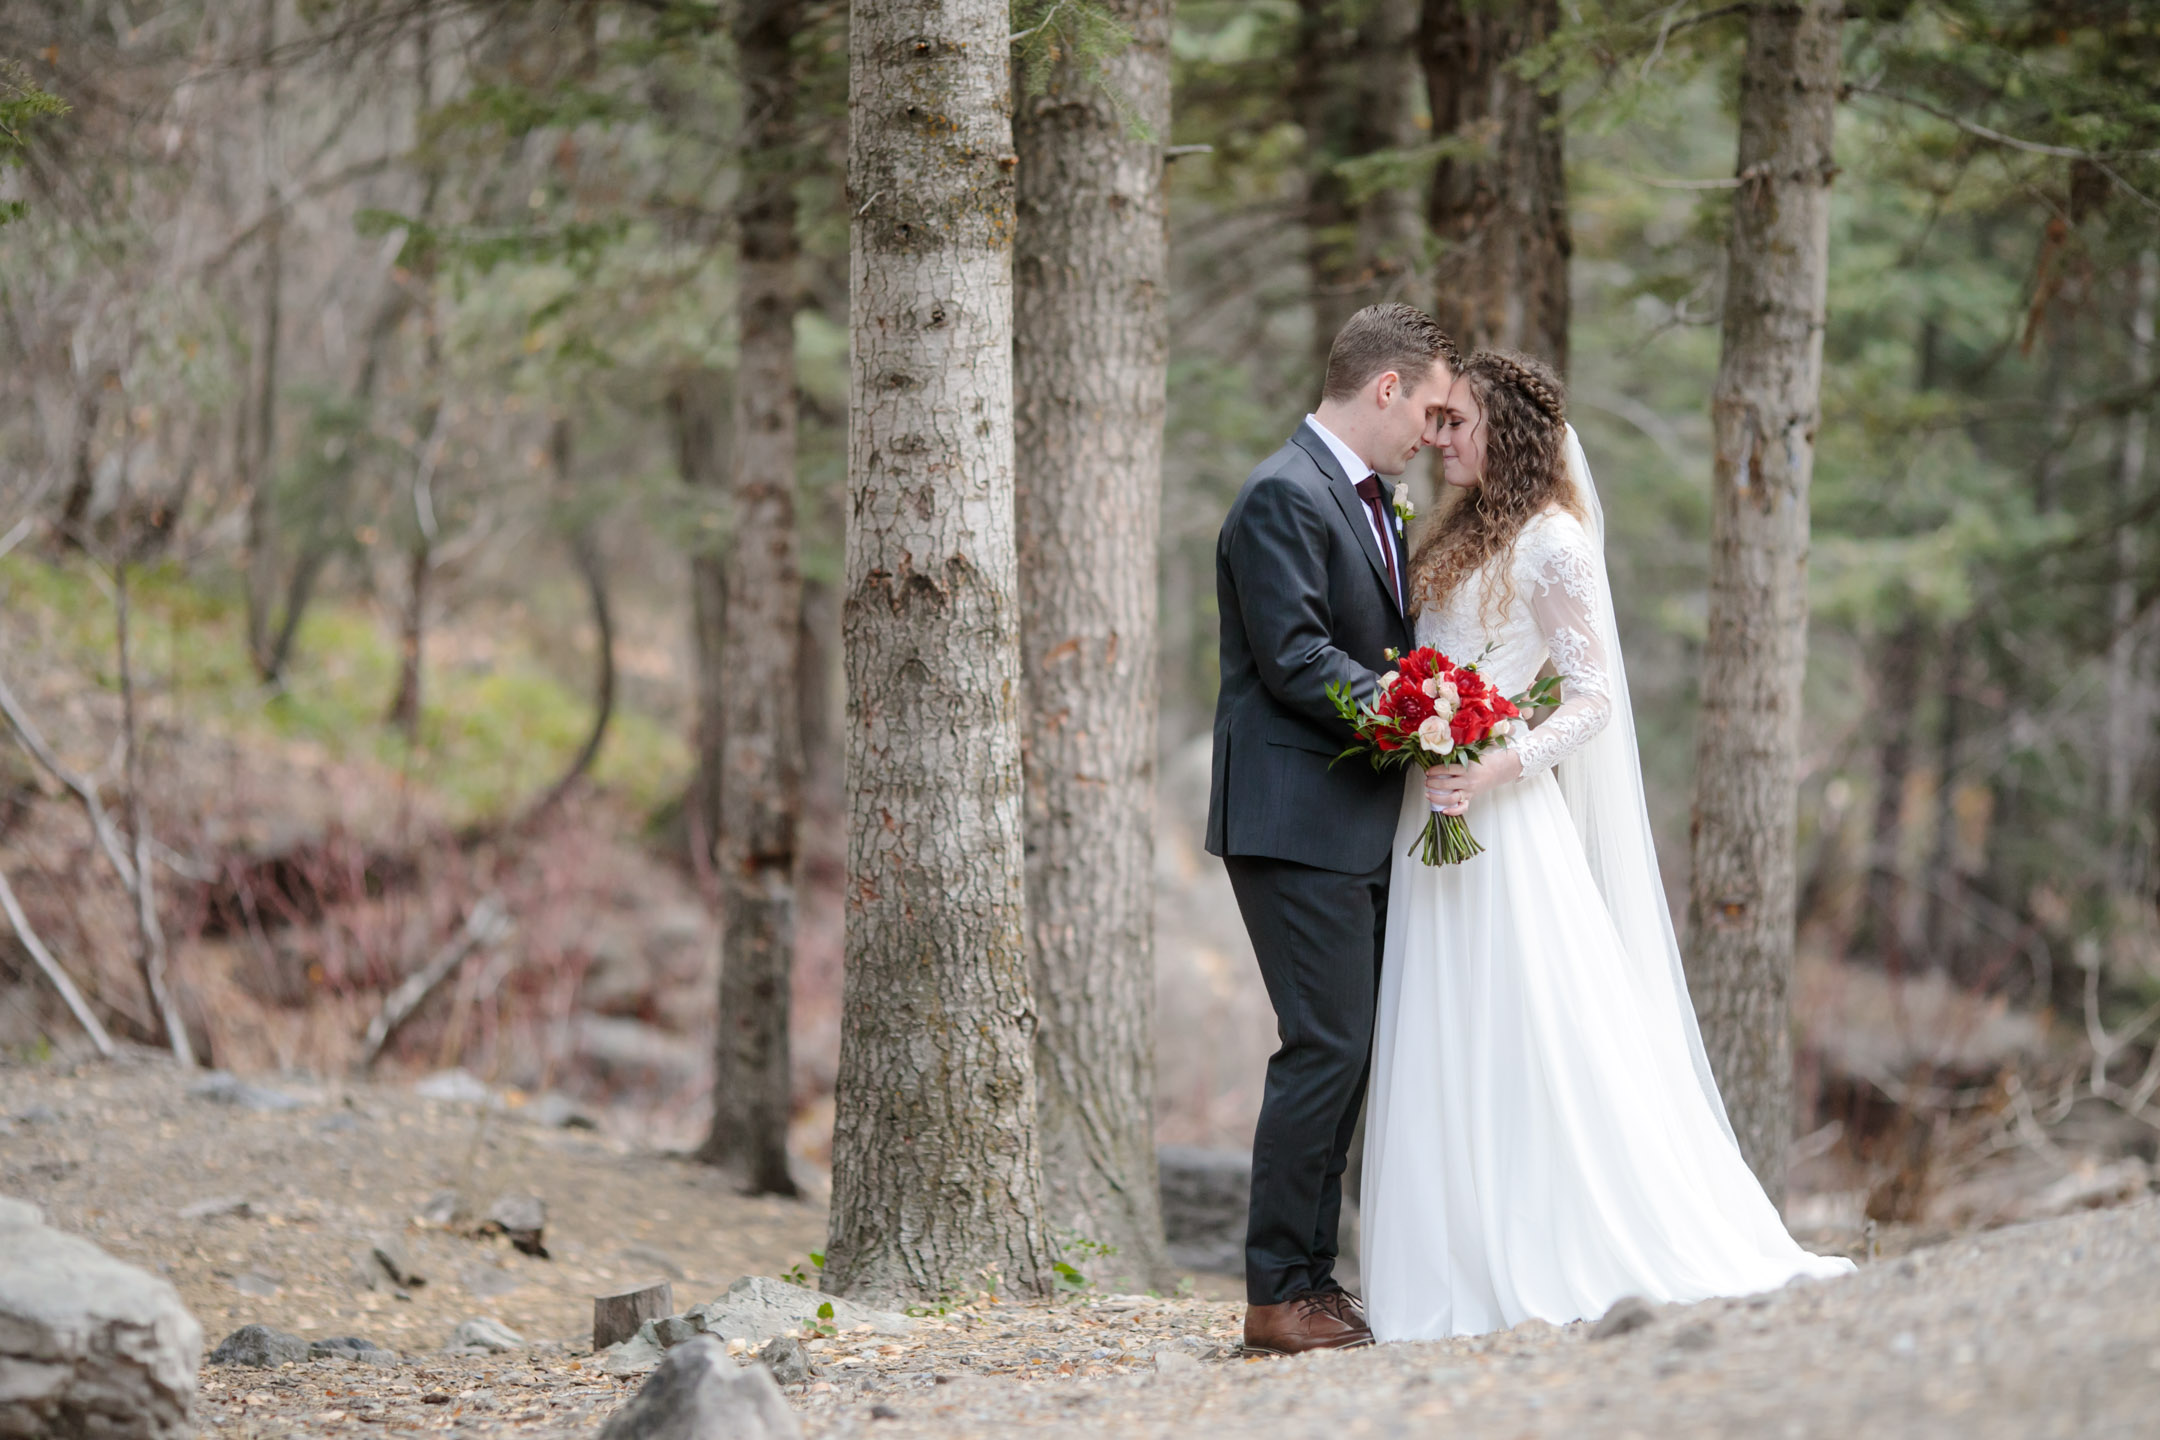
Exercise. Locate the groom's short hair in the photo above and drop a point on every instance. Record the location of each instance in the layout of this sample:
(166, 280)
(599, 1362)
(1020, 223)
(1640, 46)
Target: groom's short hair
(1379, 338)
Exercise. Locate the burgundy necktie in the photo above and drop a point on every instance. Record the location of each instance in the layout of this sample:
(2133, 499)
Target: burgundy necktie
(1368, 490)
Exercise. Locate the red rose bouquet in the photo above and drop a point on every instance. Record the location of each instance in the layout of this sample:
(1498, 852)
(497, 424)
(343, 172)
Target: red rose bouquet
(1431, 711)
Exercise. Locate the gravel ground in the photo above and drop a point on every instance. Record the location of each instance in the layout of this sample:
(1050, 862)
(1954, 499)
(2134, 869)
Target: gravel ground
(2040, 1330)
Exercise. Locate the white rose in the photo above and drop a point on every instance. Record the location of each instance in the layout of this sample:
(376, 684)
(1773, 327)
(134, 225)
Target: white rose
(1390, 678)
(1433, 736)
(1503, 729)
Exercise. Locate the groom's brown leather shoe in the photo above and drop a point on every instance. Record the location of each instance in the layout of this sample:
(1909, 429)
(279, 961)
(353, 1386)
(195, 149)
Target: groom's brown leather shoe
(1309, 1320)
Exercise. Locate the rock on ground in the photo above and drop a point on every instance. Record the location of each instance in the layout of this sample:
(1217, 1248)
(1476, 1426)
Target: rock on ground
(701, 1393)
(89, 1346)
(482, 1336)
(757, 1309)
(261, 1347)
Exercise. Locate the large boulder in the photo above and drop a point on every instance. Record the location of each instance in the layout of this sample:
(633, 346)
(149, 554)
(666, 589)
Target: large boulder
(89, 1346)
(700, 1393)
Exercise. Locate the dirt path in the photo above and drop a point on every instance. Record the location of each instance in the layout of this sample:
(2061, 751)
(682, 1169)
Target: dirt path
(2041, 1330)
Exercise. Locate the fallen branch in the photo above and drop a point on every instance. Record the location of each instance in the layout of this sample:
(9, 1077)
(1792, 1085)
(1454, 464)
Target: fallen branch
(486, 925)
(59, 977)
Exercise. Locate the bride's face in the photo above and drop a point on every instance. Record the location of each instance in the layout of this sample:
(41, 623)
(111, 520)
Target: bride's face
(1462, 437)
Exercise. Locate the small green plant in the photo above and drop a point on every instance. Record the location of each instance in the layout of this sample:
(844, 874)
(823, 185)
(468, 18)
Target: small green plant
(1070, 1278)
(822, 1328)
(796, 1275)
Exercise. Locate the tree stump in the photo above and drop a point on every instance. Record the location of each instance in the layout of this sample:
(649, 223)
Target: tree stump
(617, 1317)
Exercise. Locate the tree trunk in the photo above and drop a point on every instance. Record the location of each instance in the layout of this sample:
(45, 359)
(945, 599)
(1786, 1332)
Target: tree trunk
(1498, 212)
(420, 558)
(592, 568)
(1897, 672)
(2129, 687)
(760, 762)
(936, 1181)
(1764, 411)
(1356, 91)
(262, 560)
(1092, 339)
(697, 405)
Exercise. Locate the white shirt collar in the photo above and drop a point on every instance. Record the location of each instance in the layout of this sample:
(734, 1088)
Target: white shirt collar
(1352, 466)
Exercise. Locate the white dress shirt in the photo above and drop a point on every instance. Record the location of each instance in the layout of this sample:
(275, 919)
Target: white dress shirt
(1357, 470)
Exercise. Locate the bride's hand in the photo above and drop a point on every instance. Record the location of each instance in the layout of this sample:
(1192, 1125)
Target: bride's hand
(1448, 788)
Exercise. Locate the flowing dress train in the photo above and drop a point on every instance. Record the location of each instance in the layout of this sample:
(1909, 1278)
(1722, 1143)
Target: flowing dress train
(1540, 1140)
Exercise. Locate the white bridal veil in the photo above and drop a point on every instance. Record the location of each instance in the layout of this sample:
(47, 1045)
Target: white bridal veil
(1603, 787)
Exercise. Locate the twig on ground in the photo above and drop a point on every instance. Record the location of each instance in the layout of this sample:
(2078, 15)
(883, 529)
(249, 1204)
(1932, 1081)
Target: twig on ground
(486, 925)
(59, 977)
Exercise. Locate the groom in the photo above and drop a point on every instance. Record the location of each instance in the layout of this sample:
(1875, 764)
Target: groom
(1309, 576)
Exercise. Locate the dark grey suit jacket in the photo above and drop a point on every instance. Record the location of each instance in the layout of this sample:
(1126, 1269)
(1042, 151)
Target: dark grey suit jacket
(1305, 603)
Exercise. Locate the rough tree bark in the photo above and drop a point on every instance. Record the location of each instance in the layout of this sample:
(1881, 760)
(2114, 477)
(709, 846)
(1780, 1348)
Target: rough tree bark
(1355, 91)
(1764, 411)
(760, 762)
(1091, 346)
(1498, 213)
(936, 1181)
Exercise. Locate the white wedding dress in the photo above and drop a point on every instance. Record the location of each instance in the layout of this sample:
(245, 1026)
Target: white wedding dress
(1543, 1135)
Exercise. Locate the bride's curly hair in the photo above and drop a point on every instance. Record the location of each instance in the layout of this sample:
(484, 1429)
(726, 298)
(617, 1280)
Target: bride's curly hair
(1525, 407)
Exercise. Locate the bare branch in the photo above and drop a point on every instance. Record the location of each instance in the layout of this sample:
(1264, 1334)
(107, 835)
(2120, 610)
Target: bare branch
(487, 925)
(108, 837)
(78, 1006)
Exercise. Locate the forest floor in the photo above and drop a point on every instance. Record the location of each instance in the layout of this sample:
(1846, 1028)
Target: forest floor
(262, 1205)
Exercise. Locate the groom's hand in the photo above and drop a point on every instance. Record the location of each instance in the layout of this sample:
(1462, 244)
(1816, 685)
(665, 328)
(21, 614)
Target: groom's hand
(1448, 788)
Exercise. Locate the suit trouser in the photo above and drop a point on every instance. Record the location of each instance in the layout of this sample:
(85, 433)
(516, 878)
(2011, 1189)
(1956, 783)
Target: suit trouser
(1318, 935)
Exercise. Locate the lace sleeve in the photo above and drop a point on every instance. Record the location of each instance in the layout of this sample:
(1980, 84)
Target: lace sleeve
(1562, 584)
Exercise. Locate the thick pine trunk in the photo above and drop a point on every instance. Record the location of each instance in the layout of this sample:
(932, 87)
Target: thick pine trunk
(1356, 94)
(1499, 215)
(936, 1180)
(1764, 412)
(760, 762)
(1089, 360)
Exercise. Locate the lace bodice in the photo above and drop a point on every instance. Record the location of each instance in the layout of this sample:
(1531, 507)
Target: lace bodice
(1553, 611)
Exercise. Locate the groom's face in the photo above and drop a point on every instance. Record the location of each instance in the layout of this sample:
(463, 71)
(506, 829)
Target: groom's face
(1410, 414)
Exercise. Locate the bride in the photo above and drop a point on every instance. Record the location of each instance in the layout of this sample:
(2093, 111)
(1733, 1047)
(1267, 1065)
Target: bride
(1544, 1135)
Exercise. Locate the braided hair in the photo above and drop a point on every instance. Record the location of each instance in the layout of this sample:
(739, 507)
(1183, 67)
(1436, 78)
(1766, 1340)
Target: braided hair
(1525, 415)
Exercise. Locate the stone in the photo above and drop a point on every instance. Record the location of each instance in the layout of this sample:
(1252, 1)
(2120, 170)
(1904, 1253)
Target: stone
(482, 1336)
(1205, 1195)
(1698, 1336)
(758, 1308)
(261, 1347)
(640, 1353)
(352, 1348)
(217, 1207)
(787, 1359)
(521, 1217)
(698, 1393)
(222, 1087)
(458, 1087)
(443, 1209)
(1629, 1312)
(1176, 1362)
(386, 1258)
(89, 1346)
(19, 1214)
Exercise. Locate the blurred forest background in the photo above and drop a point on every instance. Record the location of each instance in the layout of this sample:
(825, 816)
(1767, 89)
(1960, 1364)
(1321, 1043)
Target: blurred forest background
(365, 371)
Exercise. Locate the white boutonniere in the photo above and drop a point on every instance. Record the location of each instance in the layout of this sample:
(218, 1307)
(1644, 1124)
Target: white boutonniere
(1405, 512)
